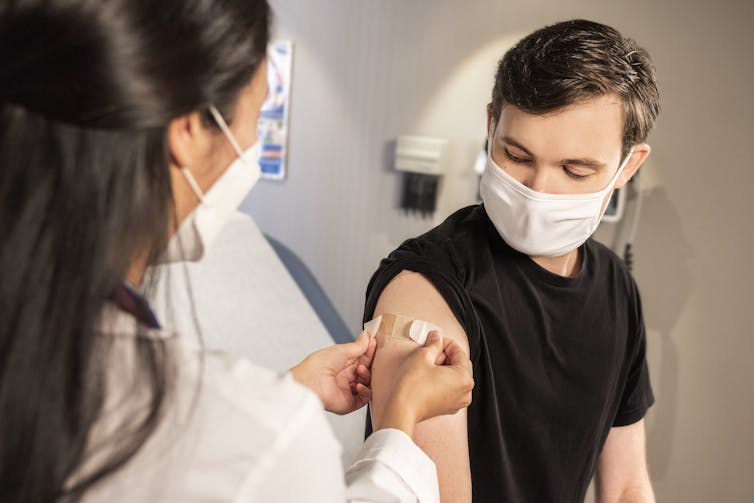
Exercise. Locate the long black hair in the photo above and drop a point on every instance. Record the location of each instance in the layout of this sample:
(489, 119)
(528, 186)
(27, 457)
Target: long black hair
(87, 90)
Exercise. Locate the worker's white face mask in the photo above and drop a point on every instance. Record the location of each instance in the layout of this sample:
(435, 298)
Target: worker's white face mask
(539, 224)
(200, 228)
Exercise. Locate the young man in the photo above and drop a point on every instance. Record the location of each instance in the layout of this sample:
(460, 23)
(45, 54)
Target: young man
(552, 320)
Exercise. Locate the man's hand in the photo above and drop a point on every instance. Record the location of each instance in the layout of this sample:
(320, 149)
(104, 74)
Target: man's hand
(340, 375)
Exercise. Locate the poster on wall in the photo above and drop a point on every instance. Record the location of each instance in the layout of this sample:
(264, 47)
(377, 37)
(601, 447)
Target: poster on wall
(273, 118)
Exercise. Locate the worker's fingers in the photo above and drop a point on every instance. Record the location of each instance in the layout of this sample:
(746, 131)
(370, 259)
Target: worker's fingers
(358, 348)
(441, 358)
(364, 374)
(367, 358)
(433, 346)
(363, 393)
(455, 354)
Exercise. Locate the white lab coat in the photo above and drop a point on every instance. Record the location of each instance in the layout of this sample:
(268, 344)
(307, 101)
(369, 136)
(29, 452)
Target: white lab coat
(235, 432)
(240, 299)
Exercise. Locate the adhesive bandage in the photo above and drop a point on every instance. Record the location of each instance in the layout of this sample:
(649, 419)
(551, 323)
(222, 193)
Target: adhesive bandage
(396, 325)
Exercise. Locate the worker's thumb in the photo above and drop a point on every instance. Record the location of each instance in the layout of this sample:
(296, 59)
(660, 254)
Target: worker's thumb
(357, 347)
(434, 345)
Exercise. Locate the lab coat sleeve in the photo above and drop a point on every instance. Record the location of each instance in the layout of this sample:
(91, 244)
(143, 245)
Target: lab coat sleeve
(390, 468)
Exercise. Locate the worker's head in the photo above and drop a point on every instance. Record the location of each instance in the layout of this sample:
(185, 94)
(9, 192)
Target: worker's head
(571, 109)
(101, 103)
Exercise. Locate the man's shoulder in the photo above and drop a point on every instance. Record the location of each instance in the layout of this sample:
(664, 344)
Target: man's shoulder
(463, 228)
(440, 253)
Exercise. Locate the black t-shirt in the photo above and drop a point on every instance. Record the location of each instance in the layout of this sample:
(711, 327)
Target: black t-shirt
(557, 360)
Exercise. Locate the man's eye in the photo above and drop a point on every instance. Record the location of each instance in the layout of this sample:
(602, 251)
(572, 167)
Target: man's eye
(514, 158)
(574, 175)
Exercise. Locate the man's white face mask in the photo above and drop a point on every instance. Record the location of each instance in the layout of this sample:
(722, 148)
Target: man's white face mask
(539, 224)
(196, 233)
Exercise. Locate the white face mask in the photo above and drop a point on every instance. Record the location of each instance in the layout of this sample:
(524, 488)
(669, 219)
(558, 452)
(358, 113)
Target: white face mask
(539, 224)
(200, 228)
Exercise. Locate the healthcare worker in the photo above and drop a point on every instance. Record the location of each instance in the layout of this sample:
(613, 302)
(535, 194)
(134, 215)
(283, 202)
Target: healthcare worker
(126, 138)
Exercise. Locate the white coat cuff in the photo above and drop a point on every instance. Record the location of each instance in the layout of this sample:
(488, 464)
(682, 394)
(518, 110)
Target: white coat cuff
(394, 450)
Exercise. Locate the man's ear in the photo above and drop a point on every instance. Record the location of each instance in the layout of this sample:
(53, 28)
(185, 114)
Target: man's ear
(188, 140)
(638, 156)
(489, 116)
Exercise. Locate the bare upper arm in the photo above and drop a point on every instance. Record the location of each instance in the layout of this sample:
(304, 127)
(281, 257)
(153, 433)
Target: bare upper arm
(622, 473)
(444, 438)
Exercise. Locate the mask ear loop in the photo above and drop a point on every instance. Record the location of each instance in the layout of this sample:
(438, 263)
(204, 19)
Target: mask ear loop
(622, 166)
(490, 138)
(612, 183)
(225, 129)
(192, 183)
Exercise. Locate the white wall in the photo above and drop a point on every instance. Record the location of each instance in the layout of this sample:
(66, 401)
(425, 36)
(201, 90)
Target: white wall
(368, 71)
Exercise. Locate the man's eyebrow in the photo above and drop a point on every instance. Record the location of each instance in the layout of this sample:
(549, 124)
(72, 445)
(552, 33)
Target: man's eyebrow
(585, 162)
(511, 141)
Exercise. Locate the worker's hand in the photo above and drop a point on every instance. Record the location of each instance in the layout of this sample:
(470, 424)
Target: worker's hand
(340, 374)
(434, 380)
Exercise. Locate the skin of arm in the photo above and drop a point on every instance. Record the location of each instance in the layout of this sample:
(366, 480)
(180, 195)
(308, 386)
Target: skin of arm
(443, 438)
(622, 475)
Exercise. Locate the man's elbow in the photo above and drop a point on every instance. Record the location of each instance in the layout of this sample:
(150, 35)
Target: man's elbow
(636, 492)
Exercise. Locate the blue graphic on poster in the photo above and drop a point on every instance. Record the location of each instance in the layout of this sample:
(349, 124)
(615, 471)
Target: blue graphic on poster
(273, 117)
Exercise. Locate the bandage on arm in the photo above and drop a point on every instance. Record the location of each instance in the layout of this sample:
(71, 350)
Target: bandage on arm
(407, 298)
(389, 325)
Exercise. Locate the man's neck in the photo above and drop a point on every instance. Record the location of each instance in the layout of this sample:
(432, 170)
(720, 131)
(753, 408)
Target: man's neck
(567, 265)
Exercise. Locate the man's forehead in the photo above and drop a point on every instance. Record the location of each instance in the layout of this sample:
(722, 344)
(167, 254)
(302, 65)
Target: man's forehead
(605, 104)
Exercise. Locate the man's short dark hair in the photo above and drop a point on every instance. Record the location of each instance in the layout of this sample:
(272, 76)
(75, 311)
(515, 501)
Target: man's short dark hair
(572, 61)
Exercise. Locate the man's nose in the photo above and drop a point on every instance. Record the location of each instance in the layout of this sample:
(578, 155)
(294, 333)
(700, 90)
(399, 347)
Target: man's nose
(538, 180)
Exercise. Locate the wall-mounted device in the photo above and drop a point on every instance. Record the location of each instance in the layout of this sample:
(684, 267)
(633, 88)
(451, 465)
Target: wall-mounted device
(420, 158)
(480, 163)
(616, 206)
